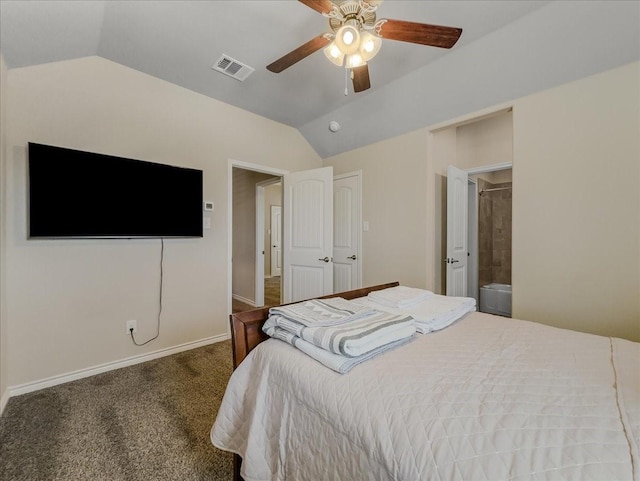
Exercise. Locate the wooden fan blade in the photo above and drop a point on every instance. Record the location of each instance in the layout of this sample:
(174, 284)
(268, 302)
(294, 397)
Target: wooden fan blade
(299, 53)
(422, 33)
(361, 78)
(322, 6)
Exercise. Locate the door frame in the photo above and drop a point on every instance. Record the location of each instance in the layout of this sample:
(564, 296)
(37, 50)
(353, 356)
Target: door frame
(473, 265)
(260, 223)
(231, 164)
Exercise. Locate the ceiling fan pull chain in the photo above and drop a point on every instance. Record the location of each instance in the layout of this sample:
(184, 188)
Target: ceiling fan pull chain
(346, 82)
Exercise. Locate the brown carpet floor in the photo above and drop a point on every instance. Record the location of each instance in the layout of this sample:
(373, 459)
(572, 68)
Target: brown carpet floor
(148, 422)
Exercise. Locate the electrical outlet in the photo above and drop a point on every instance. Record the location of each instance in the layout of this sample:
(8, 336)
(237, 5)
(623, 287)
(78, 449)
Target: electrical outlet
(133, 324)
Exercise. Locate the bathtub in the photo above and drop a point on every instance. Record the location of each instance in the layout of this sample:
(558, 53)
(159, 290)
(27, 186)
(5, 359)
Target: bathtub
(496, 299)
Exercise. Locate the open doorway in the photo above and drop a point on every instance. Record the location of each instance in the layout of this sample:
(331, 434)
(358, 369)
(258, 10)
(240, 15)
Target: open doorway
(268, 242)
(245, 248)
(478, 240)
(473, 210)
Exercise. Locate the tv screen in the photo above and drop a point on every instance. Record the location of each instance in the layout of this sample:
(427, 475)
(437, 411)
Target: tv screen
(76, 194)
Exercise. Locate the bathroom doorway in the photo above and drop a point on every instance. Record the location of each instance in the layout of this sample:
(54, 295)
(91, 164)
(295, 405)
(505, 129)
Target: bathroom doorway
(490, 230)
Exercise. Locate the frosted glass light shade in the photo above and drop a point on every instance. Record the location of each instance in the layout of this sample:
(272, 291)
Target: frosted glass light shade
(355, 60)
(347, 39)
(333, 53)
(369, 45)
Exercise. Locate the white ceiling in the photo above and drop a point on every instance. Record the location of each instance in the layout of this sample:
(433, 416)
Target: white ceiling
(508, 48)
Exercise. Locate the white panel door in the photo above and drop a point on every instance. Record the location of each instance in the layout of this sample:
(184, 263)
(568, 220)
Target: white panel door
(457, 213)
(346, 233)
(307, 247)
(276, 240)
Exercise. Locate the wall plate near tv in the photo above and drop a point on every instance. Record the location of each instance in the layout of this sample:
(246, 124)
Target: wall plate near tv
(76, 194)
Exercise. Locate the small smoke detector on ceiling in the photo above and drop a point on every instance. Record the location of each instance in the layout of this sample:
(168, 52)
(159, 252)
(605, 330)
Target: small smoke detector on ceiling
(233, 68)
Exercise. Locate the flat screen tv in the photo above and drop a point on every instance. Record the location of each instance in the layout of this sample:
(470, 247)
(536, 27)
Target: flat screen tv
(76, 194)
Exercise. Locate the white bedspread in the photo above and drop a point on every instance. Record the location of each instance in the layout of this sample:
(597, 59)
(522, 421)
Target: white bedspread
(487, 398)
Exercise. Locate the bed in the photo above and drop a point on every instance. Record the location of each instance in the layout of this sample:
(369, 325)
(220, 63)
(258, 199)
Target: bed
(487, 398)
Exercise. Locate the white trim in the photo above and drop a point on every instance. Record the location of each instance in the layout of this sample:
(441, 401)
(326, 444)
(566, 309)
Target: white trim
(4, 400)
(244, 300)
(473, 267)
(258, 281)
(256, 167)
(110, 366)
(247, 166)
(485, 169)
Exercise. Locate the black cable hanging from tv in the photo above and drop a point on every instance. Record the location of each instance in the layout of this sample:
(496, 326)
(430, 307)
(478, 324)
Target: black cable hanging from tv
(160, 300)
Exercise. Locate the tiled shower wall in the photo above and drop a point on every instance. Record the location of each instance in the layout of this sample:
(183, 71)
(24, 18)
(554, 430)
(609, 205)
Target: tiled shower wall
(494, 234)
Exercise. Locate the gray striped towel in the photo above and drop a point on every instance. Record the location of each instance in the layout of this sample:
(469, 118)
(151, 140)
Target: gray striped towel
(350, 339)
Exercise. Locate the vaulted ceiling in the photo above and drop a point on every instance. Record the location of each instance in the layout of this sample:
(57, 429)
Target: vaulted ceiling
(508, 49)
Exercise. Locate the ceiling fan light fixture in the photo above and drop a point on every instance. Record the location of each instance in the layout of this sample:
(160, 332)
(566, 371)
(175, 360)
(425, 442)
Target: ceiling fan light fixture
(348, 39)
(356, 37)
(333, 53)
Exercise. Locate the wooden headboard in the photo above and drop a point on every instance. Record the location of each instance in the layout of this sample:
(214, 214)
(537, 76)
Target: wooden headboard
(246, 327)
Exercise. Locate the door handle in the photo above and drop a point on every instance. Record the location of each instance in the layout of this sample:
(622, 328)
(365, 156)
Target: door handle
(326, 259)
(453, 261)
(353, 257)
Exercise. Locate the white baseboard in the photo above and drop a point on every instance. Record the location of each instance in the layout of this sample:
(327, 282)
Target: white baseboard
(244, 300)
(110, 366)
(4, 400)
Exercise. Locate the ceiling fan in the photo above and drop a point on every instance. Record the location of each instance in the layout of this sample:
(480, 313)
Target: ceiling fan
(356, 37)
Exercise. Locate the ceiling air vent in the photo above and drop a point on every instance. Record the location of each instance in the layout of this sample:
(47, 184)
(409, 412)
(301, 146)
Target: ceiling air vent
(232, 68)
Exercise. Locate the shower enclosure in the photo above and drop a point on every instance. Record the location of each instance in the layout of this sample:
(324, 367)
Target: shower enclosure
(494, 214)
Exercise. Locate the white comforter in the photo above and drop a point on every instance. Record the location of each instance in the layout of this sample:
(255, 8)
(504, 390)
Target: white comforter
(487, 398)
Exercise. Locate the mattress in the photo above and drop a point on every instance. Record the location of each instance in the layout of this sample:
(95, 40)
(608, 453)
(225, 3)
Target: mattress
(487, 398)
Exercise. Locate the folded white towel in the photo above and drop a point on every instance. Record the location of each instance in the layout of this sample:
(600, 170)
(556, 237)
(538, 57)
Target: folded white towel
(438, 312)
(399, 296)
(437, 306)
(434, 313)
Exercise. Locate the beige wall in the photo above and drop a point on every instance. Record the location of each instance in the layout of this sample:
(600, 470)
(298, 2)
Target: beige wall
(485, 142)
(68, 301)
(244, 233)
(394, 201)
(576, 198)
(3, 336)
(498, 177)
